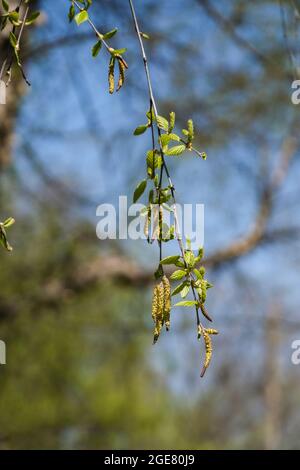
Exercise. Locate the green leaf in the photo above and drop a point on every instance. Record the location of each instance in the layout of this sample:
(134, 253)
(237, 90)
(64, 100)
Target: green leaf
(140, 130)
(3, 239)
(165, 139)
(174, 137)
(139, 190)
(162, 123)
(185, 291)
(191, 129)
(72, 13)
(154, 161)
(14, 17)
(5, 5)
(13, 40)
(172, 122)
(186, 303)
(189, 258)
(119, 51)
(178, 289)
(81, 17)
(179, 274)
(145, 35)
(96, 48)
(176, 151)
(110, 34)
(9, 222)
(170, 259)
(198, 274)
(31, 19)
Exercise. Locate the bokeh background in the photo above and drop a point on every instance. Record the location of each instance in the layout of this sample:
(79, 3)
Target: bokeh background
(75, 311)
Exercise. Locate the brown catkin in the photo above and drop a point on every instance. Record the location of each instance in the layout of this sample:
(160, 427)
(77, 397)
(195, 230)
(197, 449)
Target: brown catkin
(121, 74)
(111, 75)
(167, 301)
(121, 59)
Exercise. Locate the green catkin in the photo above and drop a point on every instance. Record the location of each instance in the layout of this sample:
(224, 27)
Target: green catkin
(167, 301)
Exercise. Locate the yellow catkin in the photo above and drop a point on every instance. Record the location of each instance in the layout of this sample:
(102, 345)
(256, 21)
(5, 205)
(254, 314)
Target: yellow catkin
(155, 303)
(155, 232)
(147, 224)
(121, 59)
(159, 319)
(210, 331)
(121, 74)
(111, 75)
(208, 350)
(167, 301)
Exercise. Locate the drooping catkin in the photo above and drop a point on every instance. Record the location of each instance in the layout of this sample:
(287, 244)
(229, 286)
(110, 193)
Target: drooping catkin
(155, 303)
(121, 74)
(167, 301)
(111, 75)
(147, 224)
(208, 350)
(159, 311)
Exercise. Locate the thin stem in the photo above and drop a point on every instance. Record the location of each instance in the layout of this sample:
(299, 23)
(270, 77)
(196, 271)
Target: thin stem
(18, 47)
(92, 24)
(153, 106)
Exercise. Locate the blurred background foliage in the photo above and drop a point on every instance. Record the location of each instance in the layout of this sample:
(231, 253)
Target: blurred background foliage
(74, 311)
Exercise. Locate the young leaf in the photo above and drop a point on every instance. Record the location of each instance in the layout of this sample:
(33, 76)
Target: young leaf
(8, 222)
(72, 13)
(81, 17)
(140, 130)
(139, 190)
(186, 303)
(170, 260)
(145, 35)
(178, 289)
(176, 151)
(110, 34)
(31, 19)
(162, 123)
(171, 122)
(13, 40)
(179, 274)
(5, 5)
(96, 48)
(185, 291)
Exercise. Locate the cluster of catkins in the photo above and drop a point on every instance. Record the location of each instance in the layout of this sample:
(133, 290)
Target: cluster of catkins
(161, 306)
(111, 72)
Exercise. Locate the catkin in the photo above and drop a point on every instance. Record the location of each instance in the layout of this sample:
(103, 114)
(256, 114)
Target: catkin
(111, 75)
(121, 74)
(167, 301)
(208, 350)
(212, 332)
(159, 311)
(155, 303)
